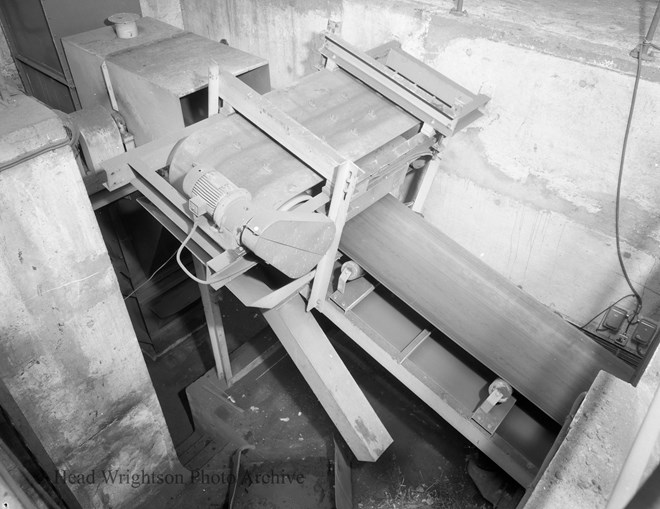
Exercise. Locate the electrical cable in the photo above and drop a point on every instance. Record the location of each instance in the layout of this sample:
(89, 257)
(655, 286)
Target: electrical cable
(581, 327)
(237, 469)
(150, 277)
(36, 153)
(293, 202)
(209, 281)
(177, 254)
(618, 188)
(642, 50)
(630, 324)
(236, 472)
(617, 210)
(71, 139)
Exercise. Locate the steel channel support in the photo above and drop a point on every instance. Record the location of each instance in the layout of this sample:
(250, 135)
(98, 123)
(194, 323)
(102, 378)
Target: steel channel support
(310, 149)
(214, 323)
(341, 198)
(318, 362)
(495, 447)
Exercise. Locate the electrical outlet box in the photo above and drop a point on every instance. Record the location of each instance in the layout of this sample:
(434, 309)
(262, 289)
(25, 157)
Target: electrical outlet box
(614, 318)
(645, 331)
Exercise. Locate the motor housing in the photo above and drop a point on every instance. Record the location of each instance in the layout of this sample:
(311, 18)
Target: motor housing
(291, 241)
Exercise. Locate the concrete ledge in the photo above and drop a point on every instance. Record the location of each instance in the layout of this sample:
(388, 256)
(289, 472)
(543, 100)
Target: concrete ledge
(27, 125)
(586, 465)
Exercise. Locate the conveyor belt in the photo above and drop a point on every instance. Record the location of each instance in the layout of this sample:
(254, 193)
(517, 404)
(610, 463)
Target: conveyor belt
(345, 113)
(543, 357)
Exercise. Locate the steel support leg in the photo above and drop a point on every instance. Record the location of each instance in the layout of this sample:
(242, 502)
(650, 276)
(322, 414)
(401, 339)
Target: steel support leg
(214, 324)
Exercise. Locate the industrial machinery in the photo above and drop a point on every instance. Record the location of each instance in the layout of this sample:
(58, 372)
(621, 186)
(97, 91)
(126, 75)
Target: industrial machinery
(291, 199)
(116, 91)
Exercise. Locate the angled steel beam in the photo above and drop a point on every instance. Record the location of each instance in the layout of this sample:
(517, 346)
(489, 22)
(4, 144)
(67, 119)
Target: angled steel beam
(324, 371)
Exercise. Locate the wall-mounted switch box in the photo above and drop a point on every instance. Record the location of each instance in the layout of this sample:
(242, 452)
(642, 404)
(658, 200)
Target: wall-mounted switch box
(645, 331)
(614, 318)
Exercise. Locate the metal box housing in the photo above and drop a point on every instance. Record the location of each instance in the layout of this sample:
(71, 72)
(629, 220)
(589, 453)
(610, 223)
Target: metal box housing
(159, 78)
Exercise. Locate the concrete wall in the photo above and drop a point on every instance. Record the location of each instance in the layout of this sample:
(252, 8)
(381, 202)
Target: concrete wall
(530, 187)
(72, 377)
(168, 11)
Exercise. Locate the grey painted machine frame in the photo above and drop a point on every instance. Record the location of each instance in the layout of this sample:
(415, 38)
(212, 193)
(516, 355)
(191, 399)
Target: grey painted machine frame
(141, 166)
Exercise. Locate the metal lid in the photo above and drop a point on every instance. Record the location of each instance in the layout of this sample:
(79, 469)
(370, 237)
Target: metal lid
(124, 17)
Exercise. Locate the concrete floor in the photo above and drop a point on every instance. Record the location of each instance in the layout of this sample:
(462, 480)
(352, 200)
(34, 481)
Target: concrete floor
(425, 466)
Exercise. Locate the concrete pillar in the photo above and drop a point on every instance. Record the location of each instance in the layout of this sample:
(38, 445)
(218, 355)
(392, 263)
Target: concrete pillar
(72, 376)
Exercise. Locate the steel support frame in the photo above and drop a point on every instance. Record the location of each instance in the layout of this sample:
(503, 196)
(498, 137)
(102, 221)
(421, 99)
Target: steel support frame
(291, 321)
(340, 173)
(296, 138)
(215, 327)
(341, 198)
(443, 403)
(297, 329)
(445, 112)
(311, 351)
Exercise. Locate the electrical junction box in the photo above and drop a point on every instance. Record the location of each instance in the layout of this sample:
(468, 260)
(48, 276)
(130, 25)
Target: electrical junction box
(645, 331)
(614, 318)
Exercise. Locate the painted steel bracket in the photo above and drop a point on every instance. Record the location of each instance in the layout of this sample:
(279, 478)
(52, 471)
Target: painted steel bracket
(256, 294)
(494, 409)
(354, 293)
(417, 88)
(341, 198)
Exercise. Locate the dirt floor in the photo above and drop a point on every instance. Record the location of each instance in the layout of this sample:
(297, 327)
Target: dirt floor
(424, 467)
